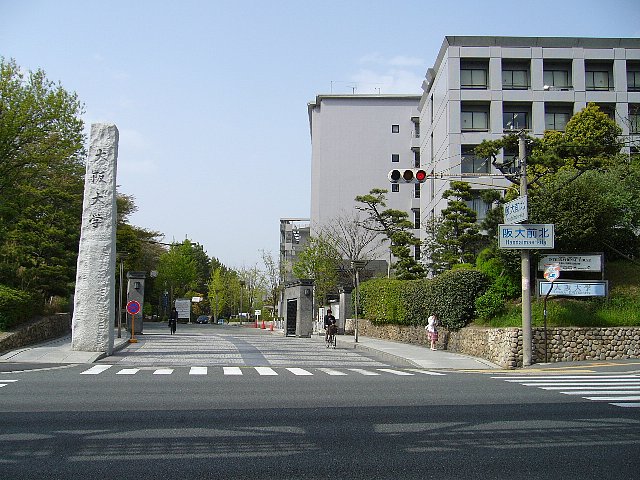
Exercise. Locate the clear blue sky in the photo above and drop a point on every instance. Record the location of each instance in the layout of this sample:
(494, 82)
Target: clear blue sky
(210, 97)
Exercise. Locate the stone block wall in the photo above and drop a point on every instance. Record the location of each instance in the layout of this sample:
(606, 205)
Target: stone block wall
(38, 330)
(503, 346)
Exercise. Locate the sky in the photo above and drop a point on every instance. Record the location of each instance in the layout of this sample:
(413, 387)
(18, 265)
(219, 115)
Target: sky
(210, 97)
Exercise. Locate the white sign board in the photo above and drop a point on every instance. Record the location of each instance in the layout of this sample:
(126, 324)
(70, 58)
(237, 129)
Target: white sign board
(552, 272)
(516, 211)
(196, 299)
(183, 306)
(526, 236)
(574, 288)
(573, 263)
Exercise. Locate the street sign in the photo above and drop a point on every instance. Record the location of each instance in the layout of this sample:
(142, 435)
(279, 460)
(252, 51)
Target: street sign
(516, 211)
(552, 272)
(574, 288)
(133, 307)
(183, 307)
(574, 263)
(526, 236)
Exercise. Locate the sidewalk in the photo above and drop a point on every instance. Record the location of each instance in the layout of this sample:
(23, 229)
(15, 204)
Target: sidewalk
(415, 356)
(59, 351)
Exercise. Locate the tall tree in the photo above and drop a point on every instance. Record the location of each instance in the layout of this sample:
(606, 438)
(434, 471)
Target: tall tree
(319, 261)
(41, 181)
(273, 273)
(456, 237)
(395, 225)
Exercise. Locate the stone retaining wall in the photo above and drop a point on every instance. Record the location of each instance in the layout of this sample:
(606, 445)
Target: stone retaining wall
(503, 346)
(38, 330)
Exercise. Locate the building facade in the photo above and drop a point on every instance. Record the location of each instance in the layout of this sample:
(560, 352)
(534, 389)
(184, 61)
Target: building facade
(484, 87)
(355, 141)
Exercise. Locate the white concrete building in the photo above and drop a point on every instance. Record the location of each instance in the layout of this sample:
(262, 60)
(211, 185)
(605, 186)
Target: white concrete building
(482, 87)
(355, 141)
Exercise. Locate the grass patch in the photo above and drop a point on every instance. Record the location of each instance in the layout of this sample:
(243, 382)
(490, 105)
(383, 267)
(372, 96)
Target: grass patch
(622, 308)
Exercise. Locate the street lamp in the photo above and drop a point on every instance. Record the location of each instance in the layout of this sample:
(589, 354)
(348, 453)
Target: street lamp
(357, 265)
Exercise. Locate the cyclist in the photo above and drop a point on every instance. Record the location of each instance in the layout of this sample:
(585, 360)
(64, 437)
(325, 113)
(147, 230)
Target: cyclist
(329, 320)
(332, 331)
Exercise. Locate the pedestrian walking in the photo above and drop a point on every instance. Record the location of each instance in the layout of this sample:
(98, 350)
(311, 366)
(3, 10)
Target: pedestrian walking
(173, 320)
(432, 330)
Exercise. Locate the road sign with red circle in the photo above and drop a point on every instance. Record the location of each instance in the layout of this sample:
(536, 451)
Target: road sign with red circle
(552, 272)
(133, 307)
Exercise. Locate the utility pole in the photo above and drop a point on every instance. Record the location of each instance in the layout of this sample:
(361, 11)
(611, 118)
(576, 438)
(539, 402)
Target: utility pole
(525, 263)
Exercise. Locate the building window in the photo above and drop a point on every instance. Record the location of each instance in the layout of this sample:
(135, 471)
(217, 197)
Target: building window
(556, 121)
(474, 121)
(416, 252)
(557, 74)
(474, 74)
(598, 76)
(416, 190)
(395, 187)
(395, 128)
(395, 157)
(416, 127)
(416, 218)
(515, 120)
(634, 119)
(416, 158)
(515, 76)
(471, 163)
(478, 205)
(633, 77)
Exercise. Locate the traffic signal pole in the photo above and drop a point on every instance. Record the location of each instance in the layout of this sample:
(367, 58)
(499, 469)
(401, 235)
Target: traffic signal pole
(525, 263)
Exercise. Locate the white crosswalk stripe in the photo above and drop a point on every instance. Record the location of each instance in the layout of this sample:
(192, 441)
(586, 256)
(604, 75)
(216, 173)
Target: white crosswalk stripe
(261, 371)
(621, 390)
(4, 382)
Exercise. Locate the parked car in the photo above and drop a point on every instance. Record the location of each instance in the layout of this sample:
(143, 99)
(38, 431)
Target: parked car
(202, 319)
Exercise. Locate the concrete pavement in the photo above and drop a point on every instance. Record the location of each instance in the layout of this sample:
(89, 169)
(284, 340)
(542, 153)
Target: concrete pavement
(415, 356)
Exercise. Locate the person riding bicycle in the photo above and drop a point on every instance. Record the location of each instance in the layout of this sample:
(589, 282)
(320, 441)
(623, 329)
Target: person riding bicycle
(329, 320)
(332, 331)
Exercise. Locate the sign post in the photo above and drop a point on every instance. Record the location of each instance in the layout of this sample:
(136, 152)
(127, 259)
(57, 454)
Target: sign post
(133, 307)
(551, 273)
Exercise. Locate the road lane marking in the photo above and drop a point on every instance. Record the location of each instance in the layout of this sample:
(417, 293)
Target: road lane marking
(364, 372)
(163, 371)
(128, 371)
(628, 405)
(425, 372)
(96, 369)
(198, 371)
(634, 398)
(232, 370)
(299, 371)
(330, 371)
(266, 371)
(394, 372)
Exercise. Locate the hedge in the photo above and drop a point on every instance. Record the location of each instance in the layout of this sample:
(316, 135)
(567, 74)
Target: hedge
(451, 295)
(16, 306)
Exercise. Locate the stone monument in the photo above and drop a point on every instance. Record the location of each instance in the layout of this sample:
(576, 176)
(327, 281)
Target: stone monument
(94, 300)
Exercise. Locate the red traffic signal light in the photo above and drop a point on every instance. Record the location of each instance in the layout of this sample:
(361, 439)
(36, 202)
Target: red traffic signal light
(408, 175)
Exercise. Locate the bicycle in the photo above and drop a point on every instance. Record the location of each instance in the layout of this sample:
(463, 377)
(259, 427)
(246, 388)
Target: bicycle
(330, 339)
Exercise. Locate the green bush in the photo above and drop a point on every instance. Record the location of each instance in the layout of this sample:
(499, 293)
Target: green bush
(490, 305)
(381, 300)
(16, 306)
(451, 295)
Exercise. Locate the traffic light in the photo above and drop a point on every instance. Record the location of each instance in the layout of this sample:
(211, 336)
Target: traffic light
(408, 175)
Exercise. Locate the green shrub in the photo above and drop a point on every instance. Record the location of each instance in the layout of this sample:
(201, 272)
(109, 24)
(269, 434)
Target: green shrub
(490, 305)
(381, 300)
(454, 294)
(16, 306)
(451, 295)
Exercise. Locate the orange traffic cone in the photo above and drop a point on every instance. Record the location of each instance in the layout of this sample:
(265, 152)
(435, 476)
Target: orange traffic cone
(271, 328)
(263, 325)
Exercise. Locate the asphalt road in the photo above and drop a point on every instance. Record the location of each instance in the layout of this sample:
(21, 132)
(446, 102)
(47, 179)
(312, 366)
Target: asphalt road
(360, 418)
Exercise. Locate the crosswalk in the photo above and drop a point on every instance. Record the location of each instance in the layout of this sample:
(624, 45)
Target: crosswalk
(260, 371)
(621, 390)
(5, 382)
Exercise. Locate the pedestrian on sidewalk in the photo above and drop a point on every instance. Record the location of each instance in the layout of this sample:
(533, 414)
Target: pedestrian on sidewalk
(173, 320)
(432, 330)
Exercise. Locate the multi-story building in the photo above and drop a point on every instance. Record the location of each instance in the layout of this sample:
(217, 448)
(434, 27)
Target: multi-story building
(355, 141)
(483, 87)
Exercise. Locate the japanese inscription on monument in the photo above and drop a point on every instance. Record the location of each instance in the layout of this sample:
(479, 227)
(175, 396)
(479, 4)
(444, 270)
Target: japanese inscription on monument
(94, 300)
